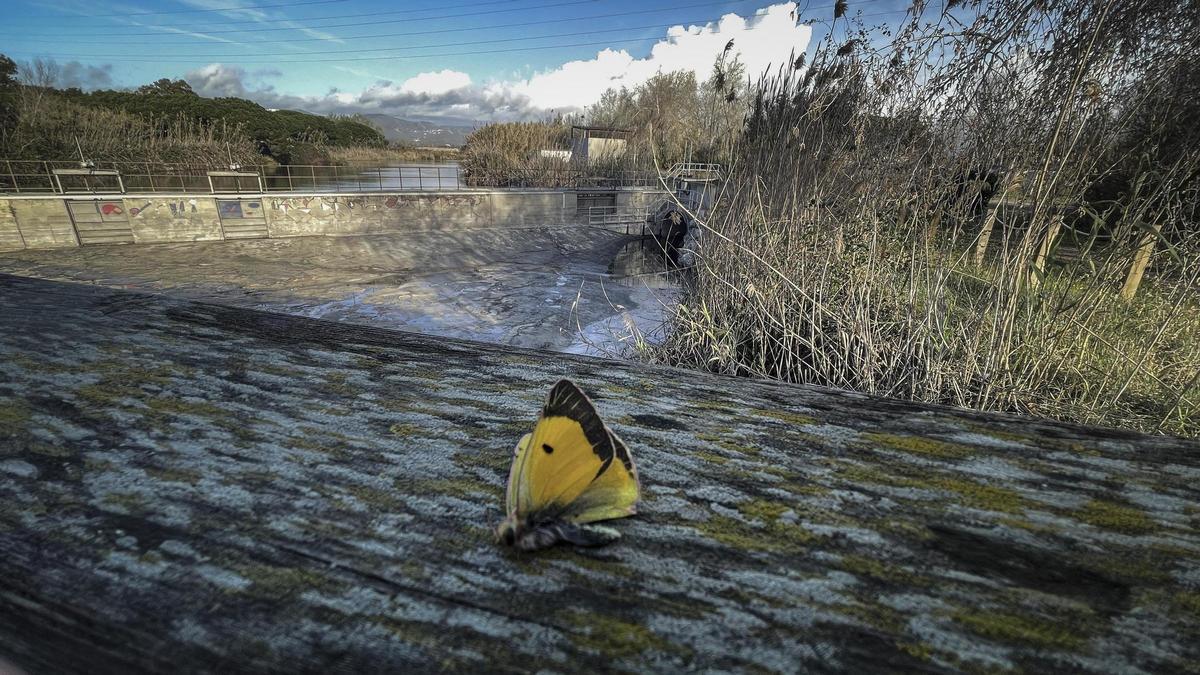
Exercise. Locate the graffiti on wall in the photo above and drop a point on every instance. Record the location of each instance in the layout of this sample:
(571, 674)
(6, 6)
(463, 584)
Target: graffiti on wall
(229, 208)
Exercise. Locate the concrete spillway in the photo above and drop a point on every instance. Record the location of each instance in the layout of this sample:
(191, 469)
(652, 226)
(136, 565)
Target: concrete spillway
(546, 288)
(524, 268)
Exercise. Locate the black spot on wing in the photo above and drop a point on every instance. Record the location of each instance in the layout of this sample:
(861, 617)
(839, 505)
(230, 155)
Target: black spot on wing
(546, 447)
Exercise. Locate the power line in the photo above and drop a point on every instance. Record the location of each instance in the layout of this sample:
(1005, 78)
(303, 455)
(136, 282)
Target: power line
(439, 45)
(388, 58)
(193, 11)
(409, 47)
(521, 24)
(276, 61)
(192, 25)
(360, 23)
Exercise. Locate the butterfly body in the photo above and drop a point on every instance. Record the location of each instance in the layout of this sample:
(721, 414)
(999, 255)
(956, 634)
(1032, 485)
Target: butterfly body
(571, 471)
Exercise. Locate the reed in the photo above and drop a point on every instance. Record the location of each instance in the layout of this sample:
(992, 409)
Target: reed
(928, 214)
(509, 153)
(362, 154)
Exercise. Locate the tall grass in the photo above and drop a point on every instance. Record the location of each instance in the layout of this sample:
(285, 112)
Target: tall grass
(361, 154)
(510, 154)
(848, 246)
(45, 126)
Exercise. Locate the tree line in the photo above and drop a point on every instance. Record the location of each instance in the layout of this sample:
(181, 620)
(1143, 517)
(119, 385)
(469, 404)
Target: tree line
(40, 121)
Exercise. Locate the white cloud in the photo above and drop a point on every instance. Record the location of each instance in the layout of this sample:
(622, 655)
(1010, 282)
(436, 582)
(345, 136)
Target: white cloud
(761, 41)
(436, 83)
(764, 40)
(217, 79)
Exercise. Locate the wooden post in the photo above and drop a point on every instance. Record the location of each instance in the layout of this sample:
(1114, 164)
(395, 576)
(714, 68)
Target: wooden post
(1141, 260)
(1012, 180)
(1039, 261)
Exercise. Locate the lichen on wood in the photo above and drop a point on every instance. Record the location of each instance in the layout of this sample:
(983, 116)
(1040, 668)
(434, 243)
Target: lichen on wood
(183, 483)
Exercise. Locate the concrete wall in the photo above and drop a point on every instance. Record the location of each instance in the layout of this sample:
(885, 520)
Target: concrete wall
(371, 214)
(10, 234)
(44, 221)
(639, 199)
(156, 220)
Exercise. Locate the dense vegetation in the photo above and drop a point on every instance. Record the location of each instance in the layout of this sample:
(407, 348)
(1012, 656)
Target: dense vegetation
(854, 244)
(288, 136)
(161, 122)
(511, 154)
(672, 117)
(676, 118)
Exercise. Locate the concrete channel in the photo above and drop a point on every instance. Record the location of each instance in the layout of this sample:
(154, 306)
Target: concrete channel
(521, 268)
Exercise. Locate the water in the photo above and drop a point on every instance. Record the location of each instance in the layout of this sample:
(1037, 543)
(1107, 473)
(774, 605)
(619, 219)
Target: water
(644, 263)
(367, 178)
(579, 290)
(649, 291)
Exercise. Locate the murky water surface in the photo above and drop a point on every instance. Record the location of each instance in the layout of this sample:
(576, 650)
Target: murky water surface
(573, 290)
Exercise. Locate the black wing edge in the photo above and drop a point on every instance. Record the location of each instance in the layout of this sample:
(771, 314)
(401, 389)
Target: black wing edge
(566, 399)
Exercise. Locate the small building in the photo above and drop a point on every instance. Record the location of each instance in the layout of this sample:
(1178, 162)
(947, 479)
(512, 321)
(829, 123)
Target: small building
(590, 145)
(561, 155)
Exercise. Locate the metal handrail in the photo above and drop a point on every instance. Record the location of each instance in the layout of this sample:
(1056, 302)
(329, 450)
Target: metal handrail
(604, 216)
(36, 176)
(695, 170)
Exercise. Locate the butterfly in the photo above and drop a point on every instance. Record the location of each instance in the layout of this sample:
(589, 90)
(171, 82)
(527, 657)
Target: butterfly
(570, 471)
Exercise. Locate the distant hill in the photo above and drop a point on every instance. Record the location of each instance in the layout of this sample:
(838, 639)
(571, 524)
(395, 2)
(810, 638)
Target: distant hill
(288, 136)
(428, 134)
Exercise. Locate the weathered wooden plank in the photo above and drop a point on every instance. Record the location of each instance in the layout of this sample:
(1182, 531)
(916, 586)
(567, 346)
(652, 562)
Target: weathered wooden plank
(225, 489)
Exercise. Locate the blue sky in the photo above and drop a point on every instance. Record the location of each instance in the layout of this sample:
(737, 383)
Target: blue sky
(348, 55)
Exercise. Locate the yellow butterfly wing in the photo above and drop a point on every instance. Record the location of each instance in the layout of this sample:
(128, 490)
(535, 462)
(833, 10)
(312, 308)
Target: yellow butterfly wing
(511, 501)
(570, 467)
(614, 493)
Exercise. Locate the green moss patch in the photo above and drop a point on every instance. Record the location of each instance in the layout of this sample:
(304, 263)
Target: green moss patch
(13, 417)
(980, 496)
(968, 492)
(710, 457)
(277, 582)
(1117, 517)
(463, 488)
(772, 535)
(722, 441)
(792, 418)
(761, 509)
(1020, 630)
(612, 637)
(921, 446)
(129, 502)
(874, 568)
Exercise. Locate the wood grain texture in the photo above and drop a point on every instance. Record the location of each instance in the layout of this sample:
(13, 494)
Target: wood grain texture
(217, 489)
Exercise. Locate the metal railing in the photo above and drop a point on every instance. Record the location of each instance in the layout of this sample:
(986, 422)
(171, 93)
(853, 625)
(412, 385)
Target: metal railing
(33, 177)
(23, 176)
(608, 216)
(694, 171)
